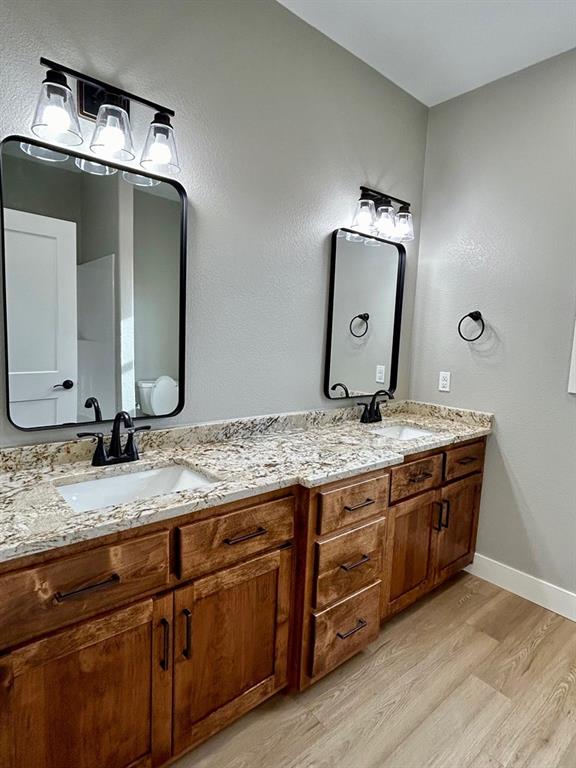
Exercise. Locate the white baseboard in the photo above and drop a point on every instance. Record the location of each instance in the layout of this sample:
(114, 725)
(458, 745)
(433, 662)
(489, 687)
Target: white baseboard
(536, 590)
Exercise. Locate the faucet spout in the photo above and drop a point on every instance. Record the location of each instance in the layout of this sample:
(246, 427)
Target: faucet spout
(122, 417)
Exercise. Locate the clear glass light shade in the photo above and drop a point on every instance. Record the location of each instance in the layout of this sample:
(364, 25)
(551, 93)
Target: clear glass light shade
(96, 169)
(404, 225)
(112, 137)
(160, 154)
(56, 119)
(42, 153)
(138, 180)
(386, 222)
(364, 217)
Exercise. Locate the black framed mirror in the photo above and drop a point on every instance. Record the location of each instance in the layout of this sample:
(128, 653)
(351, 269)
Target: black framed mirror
(364, 315)
(94, 281)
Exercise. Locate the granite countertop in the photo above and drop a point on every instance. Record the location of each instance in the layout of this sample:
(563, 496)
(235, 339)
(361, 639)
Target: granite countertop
(244, 457)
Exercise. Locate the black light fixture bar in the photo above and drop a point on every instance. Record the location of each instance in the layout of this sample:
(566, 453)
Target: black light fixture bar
(377, 197)
(113, 89)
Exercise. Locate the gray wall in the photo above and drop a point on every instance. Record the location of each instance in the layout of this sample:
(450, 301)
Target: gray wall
(277, 127)
(499, 234)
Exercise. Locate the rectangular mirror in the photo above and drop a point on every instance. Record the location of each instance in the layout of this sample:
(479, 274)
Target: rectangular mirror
(94, 288)
(364, 315)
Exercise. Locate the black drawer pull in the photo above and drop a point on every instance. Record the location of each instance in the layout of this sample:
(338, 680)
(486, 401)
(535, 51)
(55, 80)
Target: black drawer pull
(366, 503)
(421, 477)
(260, 531)
(438, 525)
(111, 581)
(446, 504)
(187, 651)
(165, 661)
(359, 626)
(467, 460)
(351, 566)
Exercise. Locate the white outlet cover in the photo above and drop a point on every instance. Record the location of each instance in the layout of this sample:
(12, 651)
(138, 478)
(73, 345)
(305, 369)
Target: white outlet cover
(380, 374)
(444, 381)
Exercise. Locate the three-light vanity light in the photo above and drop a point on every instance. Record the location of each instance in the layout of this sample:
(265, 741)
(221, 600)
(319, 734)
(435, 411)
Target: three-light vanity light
(56, 122)
(376, 216)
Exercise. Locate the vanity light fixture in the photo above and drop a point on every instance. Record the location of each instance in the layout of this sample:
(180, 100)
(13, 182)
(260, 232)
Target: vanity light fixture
(55, 118)
(376, 216)
(56, 121)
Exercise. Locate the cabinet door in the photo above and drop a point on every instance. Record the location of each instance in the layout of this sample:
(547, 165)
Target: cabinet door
(93, 696)
(409, 550)
(457, 540)
(231, 644)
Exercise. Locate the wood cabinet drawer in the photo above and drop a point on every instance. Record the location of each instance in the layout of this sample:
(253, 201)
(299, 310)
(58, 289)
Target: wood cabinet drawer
(341, 631)
(415, 477)
(465, 460)
(38, 600)
(348, 561)
(211, 544)
(346, 506)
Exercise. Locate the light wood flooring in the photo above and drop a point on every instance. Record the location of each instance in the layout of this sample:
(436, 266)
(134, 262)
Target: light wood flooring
(471, 677)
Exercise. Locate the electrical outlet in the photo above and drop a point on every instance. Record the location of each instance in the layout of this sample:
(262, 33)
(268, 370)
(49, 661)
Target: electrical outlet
(444, 381)
(380, 374)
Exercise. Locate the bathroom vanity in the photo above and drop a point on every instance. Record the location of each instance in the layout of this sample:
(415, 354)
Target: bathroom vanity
(155, 623)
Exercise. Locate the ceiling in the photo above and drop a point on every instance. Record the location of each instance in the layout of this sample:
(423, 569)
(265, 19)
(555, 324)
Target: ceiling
(438, 49)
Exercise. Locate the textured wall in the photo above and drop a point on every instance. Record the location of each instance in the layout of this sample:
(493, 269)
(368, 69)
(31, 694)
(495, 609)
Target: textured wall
(277, 127)
(499, 234)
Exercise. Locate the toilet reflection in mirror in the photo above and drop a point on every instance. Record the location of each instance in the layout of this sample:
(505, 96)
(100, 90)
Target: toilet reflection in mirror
(94, 298)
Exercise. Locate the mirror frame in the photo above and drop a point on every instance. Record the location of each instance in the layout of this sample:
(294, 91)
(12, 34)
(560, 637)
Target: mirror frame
(397, 313)
(182, 273)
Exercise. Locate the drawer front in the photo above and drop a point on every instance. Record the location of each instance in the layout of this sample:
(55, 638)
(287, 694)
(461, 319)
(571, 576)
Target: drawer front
(349, 505)
(216, 543)
(464, 461)
(41, 599)
(341, 631)
(348, 561)
(416, 477)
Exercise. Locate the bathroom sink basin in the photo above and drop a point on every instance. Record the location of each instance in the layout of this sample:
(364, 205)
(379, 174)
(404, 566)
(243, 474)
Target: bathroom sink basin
(122, 489)
(401, 432)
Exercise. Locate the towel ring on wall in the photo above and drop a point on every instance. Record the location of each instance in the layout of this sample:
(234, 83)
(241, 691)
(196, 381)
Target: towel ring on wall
(363, 317)
(476, 315)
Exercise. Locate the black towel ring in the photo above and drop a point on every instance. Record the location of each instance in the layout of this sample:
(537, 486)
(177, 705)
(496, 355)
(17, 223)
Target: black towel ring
(364, 317)
(476, 315)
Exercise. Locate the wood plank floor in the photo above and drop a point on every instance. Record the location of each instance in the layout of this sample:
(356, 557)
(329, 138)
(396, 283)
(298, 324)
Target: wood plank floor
(471, 677)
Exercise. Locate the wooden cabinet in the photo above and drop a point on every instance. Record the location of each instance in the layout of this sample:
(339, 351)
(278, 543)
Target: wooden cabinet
(456, 541)
(409, 551)
(231, 644)
(94, 696)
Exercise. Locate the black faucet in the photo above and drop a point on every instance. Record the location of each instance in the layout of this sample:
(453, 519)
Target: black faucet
(334, 387)
(371, 413)
(92, 402)
(115, 454)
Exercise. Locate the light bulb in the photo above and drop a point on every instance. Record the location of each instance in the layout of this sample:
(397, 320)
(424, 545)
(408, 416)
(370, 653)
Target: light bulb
(385, 222)
(159, 154)
(160, 151)
(112, 138)
(404, 224)
(364, 216)
(56, 117)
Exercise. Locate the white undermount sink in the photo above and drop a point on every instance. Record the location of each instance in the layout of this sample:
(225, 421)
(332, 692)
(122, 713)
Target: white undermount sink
(124, 488)
(401, 432)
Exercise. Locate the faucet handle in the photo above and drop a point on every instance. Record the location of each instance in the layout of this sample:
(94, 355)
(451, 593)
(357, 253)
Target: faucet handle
(365, 417)
(142, 428)
(100, 458)
(99, 435)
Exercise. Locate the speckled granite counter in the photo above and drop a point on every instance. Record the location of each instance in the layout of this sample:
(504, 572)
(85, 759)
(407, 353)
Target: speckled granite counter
(245, 457)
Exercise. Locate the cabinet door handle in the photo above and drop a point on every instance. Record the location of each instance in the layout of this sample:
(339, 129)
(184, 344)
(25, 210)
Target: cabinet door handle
(111, 581)
(467, 460)
(260, 531)
(359, 626)
(366, 503)
(438, 525)
(187, 651)
(165, 660)
(420, 478)
(446, 504)
(351, 566)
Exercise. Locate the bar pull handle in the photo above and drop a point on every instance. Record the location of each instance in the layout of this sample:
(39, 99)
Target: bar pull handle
(446, 505)
(351, 566)
(467, 460)
(359, 626)
(187, 652)
(366, 503)
(111, 581)
(420, 478)
(438, 525)
(260, 531)
(165, 661)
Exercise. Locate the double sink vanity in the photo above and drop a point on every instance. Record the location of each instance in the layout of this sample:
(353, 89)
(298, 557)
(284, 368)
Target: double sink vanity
(158, 601)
